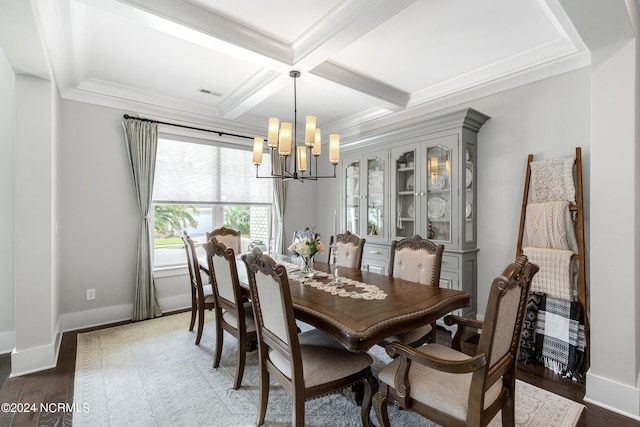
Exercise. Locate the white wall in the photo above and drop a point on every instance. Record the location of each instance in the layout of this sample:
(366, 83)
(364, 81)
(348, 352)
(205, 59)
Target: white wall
(547, 119)
(7, 141)
(98, 216)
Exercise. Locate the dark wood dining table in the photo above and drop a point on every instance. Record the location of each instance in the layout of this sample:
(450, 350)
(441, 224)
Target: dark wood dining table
(359, 323)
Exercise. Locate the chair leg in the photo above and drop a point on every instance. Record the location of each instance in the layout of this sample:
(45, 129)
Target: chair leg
(242, 353)
(434, 333)
(509, 410)
(366, 402)
(298, 410)
(194, 310)
(380, 406)
(219, 337)
(264, 395)
(200, 324)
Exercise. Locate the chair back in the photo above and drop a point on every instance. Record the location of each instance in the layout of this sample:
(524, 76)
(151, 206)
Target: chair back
(299, 236)
(194, 269)
(416, 259)
(273, 310)
(228, 236)
(349, 250)
(502, 325)
(224, 277)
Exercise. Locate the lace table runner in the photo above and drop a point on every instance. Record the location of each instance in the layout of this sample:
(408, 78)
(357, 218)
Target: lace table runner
(346, 288)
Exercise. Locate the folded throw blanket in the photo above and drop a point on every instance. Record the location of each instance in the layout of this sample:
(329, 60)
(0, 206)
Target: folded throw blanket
(555, 275)
(549, 225)
(560, 341)
(527, 351)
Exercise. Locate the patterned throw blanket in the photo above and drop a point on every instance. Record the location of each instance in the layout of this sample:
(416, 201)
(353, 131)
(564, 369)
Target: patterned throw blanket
(559, 336)
(527, 342)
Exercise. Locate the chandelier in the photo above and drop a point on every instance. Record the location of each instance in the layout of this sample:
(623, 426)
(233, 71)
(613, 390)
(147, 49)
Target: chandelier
(279, 137)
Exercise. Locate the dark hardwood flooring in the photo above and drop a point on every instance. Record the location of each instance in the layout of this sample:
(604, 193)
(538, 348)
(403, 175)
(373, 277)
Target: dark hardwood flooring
(54, 388)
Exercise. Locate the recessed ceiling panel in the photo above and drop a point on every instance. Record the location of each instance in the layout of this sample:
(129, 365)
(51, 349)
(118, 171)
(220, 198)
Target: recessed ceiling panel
(148, 59)
(433, 41)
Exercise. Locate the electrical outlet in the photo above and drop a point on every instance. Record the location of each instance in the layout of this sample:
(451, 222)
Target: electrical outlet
(91, 294)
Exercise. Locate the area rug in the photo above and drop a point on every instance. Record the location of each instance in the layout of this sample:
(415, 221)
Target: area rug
(151, 373)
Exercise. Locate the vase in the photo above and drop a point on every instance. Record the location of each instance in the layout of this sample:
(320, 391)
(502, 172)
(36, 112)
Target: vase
(306, 269)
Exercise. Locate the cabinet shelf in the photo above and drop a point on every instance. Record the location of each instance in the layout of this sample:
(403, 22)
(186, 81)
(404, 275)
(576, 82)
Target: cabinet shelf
(406, 193)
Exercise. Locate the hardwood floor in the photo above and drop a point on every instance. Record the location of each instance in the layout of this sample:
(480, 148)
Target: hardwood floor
(54, 389)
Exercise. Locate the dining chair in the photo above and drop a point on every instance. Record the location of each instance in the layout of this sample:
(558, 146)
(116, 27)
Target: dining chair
(452, 388)
(418, 260)
(228, 236)
(349, 250)
(201, 295)
(308, 365)
(231, 313)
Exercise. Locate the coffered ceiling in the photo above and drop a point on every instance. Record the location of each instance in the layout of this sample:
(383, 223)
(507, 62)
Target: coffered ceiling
(226, 63)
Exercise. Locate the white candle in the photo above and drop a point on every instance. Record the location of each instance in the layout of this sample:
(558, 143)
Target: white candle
(335, 226)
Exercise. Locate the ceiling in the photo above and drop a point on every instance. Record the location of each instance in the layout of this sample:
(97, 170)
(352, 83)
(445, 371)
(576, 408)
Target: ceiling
(226, 64)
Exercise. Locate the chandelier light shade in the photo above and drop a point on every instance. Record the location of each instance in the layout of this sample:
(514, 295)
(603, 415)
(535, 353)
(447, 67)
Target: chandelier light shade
(281, 136)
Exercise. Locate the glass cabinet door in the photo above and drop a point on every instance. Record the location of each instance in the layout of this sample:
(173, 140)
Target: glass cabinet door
(352, 196)
(406, 191)
(439, 197)
(469, 223)
(375, 196)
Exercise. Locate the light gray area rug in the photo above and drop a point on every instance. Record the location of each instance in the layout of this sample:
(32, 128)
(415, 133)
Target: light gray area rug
(150, 373)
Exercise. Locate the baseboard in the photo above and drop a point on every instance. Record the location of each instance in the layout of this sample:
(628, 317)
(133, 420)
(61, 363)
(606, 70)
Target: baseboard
(96, 317)
(117, 313)
(611, 395)
(34, 359)
(7, 341)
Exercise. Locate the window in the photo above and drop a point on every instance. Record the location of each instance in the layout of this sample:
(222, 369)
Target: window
(202, 186)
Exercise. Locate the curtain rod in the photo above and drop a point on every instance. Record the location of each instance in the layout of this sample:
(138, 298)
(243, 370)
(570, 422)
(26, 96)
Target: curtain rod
(219, 132)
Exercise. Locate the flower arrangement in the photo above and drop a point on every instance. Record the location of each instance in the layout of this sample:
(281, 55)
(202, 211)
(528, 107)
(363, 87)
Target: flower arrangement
(307, 248)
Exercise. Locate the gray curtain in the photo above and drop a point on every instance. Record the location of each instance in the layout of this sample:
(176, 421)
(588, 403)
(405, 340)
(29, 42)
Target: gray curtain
(279, 200)
(142, 144)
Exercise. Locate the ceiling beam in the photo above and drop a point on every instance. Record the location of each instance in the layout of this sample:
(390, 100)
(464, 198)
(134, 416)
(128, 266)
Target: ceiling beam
(391, 98)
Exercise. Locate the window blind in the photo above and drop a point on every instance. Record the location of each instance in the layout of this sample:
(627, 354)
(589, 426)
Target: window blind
(188, 172)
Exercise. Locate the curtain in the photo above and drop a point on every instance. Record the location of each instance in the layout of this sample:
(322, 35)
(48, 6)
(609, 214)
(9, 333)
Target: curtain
(279, 200)
(141, 138)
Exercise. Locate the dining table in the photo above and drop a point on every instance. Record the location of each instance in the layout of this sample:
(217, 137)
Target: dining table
(361, 308)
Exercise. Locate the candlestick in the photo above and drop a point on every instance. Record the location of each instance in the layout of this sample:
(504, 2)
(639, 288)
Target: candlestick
(335, 226)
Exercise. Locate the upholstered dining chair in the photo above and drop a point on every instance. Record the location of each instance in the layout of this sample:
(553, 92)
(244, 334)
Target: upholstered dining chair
(418, 260)
(231, 313)
(454, 389)
(201, 295)
(308, 365)
(228, 236)
(349, 250)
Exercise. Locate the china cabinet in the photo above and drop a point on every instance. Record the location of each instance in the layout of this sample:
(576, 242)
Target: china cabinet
(366, 190)
(432, 185)
(434, 194)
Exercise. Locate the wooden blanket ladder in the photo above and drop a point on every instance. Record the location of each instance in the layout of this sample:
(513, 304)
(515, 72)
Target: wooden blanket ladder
(580, 256)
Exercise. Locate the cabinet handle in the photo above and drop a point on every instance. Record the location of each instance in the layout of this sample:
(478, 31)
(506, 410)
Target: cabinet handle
(375, 252)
